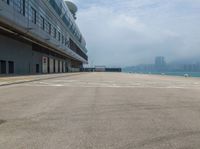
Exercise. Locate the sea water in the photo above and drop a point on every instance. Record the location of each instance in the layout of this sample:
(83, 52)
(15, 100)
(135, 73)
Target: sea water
(189, 74)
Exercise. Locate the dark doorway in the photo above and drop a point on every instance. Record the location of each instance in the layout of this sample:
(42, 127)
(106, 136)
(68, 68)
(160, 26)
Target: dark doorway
(48, 65)
(66, 69)
(3, 67)
(54, 65)
(63, 66)
(37, 68)
(10, 67)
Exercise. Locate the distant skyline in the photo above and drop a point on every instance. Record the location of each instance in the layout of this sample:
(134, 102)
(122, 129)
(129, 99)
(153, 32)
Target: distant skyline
(125, 33)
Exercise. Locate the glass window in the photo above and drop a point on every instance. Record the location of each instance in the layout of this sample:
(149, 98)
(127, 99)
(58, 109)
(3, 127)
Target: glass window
(23, 6)
(42, 22)
(55, 7)
(62, 39)
(58, 36)
(65, 20)
(33, 15)
(66, 42)
(54, 32)
(20, 6)
(7, 1)
(49, 28)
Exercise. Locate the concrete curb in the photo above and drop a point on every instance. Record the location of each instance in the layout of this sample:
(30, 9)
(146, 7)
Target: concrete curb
(39, 79)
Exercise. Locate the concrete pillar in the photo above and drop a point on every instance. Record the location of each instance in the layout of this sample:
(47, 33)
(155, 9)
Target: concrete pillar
(56, 66)
(60, 65)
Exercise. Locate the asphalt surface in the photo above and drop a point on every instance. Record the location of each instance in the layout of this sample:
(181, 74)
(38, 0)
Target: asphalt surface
(10, 80)
(101, 111)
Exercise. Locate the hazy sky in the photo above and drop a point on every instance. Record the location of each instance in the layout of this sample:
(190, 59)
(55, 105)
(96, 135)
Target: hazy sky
(129, 32)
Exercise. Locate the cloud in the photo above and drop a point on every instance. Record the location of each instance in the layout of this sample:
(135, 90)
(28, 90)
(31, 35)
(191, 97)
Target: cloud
(120, 33)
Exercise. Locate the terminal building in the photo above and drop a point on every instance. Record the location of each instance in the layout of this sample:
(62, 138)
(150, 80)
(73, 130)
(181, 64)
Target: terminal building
(40, 36)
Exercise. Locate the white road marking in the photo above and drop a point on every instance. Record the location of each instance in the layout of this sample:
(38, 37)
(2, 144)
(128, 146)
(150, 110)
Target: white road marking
(112, 84)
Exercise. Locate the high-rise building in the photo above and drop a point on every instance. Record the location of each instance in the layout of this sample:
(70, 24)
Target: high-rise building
(40, 36)
(160, 63)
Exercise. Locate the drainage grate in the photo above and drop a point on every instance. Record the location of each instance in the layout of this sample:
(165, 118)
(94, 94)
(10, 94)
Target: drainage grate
(2, 121)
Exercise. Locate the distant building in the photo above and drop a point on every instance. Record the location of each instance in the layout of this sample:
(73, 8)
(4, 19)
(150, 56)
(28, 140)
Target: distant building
(160, 64)
(160, 61)
(191, 67)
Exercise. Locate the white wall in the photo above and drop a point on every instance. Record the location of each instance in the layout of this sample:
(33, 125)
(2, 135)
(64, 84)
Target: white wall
(44, 65)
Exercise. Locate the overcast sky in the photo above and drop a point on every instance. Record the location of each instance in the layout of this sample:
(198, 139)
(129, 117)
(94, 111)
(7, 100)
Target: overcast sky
(130, 32)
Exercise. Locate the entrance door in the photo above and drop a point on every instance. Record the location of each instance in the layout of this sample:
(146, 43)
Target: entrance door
(37, 68)
(11, 67)
(44, 65)
(3, 67)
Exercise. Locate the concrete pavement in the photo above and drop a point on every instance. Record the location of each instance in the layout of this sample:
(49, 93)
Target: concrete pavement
(101, 111)
(8, 80)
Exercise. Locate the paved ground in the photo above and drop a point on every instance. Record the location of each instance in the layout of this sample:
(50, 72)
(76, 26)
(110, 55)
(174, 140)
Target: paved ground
(7, 80)
(101, 111)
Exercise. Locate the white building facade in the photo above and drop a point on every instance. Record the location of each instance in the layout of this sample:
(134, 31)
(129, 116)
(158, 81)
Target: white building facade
(40, 36)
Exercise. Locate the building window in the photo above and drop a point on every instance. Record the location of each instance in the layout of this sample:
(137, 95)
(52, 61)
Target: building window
(54, 32)
(20, 5)
(42, 22)
(33, 15)
(49, 28)
(7, 1)
(56, 7)
(65, 20)
(58, 36)
(66, 42)
(63, 39)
